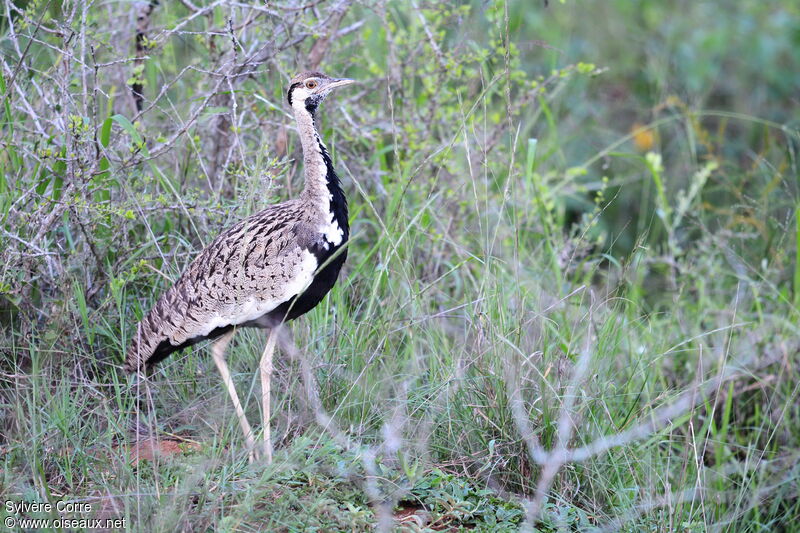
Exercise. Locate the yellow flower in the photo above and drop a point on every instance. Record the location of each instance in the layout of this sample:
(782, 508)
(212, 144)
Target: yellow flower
(643, 137)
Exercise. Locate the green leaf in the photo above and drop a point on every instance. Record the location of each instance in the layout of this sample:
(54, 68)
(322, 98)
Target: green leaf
(105, 132)
(216, 110)
(131, 130)
(84, 311)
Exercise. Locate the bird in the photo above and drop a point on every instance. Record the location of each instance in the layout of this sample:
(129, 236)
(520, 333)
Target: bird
(267, 269)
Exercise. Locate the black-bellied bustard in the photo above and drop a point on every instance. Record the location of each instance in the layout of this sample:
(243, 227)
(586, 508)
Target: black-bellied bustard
(267, 269)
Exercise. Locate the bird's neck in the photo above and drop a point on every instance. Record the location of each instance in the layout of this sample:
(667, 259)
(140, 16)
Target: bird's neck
(322, 188)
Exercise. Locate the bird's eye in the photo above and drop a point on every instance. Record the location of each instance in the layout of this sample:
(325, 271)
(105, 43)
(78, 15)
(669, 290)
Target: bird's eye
(311, 84)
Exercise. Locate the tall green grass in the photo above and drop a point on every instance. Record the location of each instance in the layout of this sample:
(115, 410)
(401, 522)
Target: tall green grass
(546, 320)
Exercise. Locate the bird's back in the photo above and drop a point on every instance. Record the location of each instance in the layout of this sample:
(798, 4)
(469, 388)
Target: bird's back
(260, 272)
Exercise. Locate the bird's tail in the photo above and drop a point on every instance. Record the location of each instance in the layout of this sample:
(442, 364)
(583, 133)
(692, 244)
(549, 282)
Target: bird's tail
(137, 355)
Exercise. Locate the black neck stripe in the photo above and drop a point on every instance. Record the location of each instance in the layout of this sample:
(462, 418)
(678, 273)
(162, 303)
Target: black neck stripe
(338, 204)
(292, 88)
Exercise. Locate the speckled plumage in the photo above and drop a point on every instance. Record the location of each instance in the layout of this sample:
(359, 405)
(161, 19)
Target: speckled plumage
(263, 270)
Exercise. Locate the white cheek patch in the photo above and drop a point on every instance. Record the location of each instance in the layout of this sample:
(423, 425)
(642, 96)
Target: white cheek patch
(299, 96)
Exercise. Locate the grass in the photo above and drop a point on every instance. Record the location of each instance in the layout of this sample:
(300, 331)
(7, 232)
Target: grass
(570, 301)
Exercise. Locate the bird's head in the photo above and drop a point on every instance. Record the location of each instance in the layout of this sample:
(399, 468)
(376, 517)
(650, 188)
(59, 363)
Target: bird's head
(308, 89)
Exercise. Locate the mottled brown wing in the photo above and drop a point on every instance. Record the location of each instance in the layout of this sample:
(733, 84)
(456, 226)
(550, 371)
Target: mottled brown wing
(247, 271)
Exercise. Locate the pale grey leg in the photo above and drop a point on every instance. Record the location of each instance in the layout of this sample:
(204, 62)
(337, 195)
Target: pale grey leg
(266, 375)
(218, 353)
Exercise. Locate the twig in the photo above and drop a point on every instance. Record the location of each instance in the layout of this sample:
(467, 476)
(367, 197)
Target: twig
(142, 23)
(321, 46)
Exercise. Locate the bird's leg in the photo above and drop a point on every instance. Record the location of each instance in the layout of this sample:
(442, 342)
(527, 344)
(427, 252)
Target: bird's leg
(266, 375)
(218, 353)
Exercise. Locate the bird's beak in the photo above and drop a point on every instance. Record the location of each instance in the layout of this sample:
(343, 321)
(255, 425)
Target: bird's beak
(339, 82)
